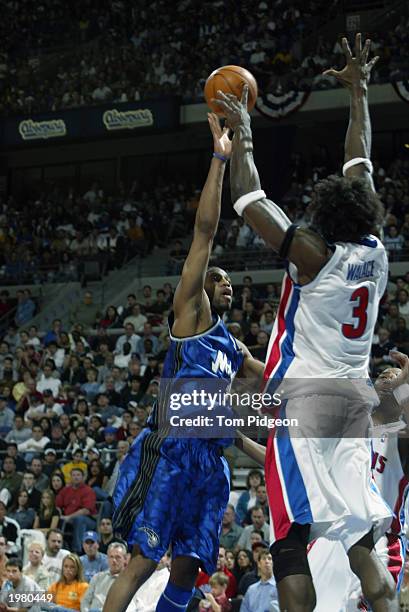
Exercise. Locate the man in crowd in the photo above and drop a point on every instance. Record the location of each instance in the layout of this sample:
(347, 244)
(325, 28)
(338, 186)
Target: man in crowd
(41, 480)
(258, 521)
(130, 337)
(6, 416)
(9, 528)
(77, 503)
(10, 483)
(54, 554)
(93, 561)
(231, 532)
(35, 444)
(48, 382)
(20, 585)
(106, 533)
(262, 595)
(100, 584)
(19, 433)
(34, 495)
(86, 312)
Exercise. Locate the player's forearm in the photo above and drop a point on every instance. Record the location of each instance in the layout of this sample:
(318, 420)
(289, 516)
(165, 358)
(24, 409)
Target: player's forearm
(264, 216)
(358, 137)
(244, 177)
(208, 212)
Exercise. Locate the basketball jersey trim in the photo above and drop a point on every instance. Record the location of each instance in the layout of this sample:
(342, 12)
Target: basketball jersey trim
(194, 336)
(369, 241)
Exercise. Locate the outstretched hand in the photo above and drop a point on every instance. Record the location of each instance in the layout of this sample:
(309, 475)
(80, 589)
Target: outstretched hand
(235, 110)
(221, 140)
(357, 71)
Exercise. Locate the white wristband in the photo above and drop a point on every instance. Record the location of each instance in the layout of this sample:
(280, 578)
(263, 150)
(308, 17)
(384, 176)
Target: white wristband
(401, 393)
(358, 160)
(247, 199)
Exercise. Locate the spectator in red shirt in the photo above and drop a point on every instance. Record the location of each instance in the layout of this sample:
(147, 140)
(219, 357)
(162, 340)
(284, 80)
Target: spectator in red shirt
(77, 503)
(221, 566)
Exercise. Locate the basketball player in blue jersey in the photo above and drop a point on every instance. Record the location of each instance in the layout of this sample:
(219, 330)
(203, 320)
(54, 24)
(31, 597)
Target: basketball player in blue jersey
(173, 491)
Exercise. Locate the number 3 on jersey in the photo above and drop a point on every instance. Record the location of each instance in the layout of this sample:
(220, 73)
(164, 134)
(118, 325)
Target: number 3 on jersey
(360, 297)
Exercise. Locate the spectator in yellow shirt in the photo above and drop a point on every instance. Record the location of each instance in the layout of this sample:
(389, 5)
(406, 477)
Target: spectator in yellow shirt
(70, 589)
(77, 462)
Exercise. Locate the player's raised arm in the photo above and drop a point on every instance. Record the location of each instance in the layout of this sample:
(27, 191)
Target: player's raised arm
(191, 304)
(355, 76)
(306, 249)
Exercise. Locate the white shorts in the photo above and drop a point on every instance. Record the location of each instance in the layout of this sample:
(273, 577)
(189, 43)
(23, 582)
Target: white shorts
(323, 481)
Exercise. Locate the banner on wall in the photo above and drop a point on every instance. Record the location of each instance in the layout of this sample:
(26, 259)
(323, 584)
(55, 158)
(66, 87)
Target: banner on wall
(279, 105)
(88, 123)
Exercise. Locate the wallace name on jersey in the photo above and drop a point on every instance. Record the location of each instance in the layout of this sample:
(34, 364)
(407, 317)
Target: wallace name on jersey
(361, 270)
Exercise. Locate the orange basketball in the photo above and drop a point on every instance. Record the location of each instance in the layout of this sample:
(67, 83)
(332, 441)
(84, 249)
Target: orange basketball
(230, 79)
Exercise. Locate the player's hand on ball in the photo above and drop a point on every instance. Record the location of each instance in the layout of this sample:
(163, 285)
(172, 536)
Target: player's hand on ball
(221, 140)
(357, 71)
(235, 110)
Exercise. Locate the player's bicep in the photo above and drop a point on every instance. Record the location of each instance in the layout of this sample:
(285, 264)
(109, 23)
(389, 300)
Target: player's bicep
(190, 290)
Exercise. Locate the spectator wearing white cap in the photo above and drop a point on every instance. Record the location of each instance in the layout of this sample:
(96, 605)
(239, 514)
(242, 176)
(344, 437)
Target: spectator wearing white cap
(50, 461)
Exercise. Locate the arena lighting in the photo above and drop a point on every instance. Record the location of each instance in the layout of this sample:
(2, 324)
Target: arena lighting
(406, 145)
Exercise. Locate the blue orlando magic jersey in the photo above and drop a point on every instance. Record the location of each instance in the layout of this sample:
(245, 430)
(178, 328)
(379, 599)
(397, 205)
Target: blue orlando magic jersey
(205, 363)
(212, 354)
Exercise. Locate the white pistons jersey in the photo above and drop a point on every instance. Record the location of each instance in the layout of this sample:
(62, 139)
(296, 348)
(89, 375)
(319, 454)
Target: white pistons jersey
(389, 477)
(324, 329)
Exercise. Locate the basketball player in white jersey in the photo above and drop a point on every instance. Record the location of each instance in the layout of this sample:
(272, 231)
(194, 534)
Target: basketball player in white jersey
(318, 475)
(336, 587)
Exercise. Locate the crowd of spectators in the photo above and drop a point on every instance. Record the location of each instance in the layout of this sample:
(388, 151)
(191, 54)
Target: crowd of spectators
(236, 244)
(71, 403)
(145, 51)
(51, 239)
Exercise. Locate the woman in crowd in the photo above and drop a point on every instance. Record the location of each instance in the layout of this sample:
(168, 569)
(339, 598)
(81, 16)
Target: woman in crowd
(48, 516)
(22, 513)
(57, 482)
(230, 560)
(74, 373)
(244, 563)
(97, 478)
(45, 425)
(81, 411)
(35, 568)
(70, 589)
(248, 498)
(110, 318)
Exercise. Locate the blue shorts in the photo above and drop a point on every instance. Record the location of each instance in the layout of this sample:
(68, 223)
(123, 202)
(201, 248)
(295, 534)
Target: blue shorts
(172, 491)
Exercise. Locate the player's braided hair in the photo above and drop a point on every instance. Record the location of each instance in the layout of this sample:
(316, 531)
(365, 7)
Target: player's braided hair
(346, 209)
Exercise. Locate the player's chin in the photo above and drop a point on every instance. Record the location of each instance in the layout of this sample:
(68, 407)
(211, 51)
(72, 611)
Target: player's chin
(223, 304)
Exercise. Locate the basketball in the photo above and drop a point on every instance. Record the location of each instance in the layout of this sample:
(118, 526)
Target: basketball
(230, 79)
